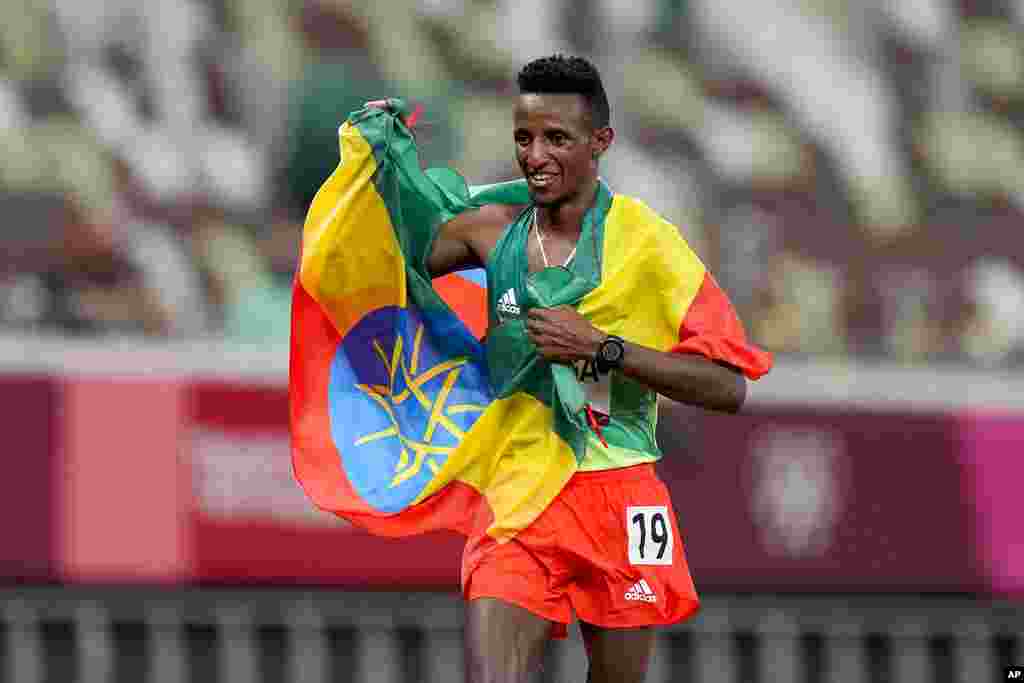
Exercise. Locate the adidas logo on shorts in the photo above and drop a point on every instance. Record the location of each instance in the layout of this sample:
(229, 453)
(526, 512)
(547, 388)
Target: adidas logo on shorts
(641, 591)
(507, 303)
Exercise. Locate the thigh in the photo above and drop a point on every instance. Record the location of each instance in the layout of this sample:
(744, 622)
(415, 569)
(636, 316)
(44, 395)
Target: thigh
(504, 642)
(617, 655)
(520, 573)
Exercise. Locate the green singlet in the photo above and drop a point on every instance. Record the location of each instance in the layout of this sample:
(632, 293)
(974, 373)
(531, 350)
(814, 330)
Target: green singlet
(628, 408)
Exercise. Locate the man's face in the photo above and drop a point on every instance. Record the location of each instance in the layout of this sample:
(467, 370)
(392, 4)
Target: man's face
(556, 145)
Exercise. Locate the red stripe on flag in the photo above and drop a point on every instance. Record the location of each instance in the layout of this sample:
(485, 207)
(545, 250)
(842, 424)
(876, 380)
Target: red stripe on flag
(315, 459)
(413, 118)
(712, 329)
(468, 300)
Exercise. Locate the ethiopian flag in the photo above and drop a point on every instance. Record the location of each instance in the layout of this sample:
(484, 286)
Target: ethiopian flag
(401, 421)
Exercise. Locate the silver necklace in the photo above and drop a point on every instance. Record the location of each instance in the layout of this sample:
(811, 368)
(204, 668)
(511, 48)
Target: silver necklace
(540, 243)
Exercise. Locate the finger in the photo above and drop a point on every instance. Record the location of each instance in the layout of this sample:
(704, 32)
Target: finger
(537, 325)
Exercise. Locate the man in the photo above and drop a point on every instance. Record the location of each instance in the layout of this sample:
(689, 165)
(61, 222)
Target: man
(539, 445)
(587, 552)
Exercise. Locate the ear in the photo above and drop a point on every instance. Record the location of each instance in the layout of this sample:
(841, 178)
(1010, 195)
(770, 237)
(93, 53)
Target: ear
(601, 140)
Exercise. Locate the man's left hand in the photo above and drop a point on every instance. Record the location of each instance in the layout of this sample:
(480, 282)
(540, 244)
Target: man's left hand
(562, 335)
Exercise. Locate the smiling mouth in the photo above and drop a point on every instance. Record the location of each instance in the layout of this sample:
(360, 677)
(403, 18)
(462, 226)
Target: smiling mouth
(540, 180)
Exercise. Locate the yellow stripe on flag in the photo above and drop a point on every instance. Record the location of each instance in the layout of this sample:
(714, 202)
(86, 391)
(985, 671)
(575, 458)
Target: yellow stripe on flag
(534, 465)
(351, 261)
(643, 253)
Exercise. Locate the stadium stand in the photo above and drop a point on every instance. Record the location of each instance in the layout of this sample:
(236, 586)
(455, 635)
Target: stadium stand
(853, 171)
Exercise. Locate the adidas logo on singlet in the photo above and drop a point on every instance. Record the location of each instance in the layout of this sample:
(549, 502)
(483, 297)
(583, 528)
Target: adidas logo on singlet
(641, 591)
(507, 303)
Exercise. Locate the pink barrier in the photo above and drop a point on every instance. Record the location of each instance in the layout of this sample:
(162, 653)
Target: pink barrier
(992, 447)
(127, 480)
(28, 503)
(252, 523)
(822, 500)
(125, 488)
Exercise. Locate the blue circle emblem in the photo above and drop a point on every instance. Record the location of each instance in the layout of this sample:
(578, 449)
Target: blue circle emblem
(397, 407)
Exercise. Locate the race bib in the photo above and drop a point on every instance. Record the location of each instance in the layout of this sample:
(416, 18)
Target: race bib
(649, 530)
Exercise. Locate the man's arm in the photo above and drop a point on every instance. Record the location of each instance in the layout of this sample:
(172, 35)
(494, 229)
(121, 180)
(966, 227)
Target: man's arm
(687, 378)
(466, 240)
(562, 335)
(451, 250)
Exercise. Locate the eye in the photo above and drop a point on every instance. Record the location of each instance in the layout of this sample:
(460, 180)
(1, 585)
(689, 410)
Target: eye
(522, 140)
(559, 139)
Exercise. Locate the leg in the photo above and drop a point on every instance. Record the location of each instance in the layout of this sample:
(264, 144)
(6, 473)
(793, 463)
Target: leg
(617, 655)
(504, 642)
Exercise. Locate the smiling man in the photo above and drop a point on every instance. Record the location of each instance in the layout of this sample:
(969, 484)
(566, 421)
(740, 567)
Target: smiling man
(608, 548)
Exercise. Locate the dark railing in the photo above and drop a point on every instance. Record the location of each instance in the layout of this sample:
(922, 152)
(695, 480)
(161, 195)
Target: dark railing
(92, 635)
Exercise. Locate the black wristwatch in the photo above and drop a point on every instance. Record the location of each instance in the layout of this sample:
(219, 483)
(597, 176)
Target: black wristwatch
(610, 354)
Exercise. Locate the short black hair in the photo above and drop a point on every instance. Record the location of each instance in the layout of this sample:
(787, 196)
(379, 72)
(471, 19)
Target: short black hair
(565, 75)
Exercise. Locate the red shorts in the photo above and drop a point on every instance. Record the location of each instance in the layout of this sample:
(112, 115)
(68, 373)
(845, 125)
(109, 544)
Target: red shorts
(607, 548)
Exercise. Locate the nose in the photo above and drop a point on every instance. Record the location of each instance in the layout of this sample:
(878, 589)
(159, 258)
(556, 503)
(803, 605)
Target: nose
(534, 155)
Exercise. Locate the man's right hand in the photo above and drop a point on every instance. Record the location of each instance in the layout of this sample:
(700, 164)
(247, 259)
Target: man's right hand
(409, 118)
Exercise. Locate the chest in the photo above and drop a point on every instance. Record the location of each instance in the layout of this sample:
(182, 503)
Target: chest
(551, 250)
(515, 258)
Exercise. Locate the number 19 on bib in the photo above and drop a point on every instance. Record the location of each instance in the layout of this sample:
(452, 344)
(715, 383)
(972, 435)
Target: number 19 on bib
(650, 534)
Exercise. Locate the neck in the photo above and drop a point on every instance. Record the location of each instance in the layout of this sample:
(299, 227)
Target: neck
(567, 217)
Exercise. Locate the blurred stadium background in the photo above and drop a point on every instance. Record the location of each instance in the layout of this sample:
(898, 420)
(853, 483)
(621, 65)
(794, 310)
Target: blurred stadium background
(852, 170)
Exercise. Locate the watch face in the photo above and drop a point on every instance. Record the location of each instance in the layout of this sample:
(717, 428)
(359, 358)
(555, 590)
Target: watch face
(611, 351)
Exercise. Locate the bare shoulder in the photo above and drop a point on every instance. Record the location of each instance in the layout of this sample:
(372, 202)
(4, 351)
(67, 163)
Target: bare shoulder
(467, 239)
(487, 218)
(482, 227)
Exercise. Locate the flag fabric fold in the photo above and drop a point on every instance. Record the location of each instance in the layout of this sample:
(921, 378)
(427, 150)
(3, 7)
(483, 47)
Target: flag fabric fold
(402, 422)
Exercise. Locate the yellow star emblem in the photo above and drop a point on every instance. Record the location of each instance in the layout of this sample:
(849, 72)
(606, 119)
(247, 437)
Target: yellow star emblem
(439, 413)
